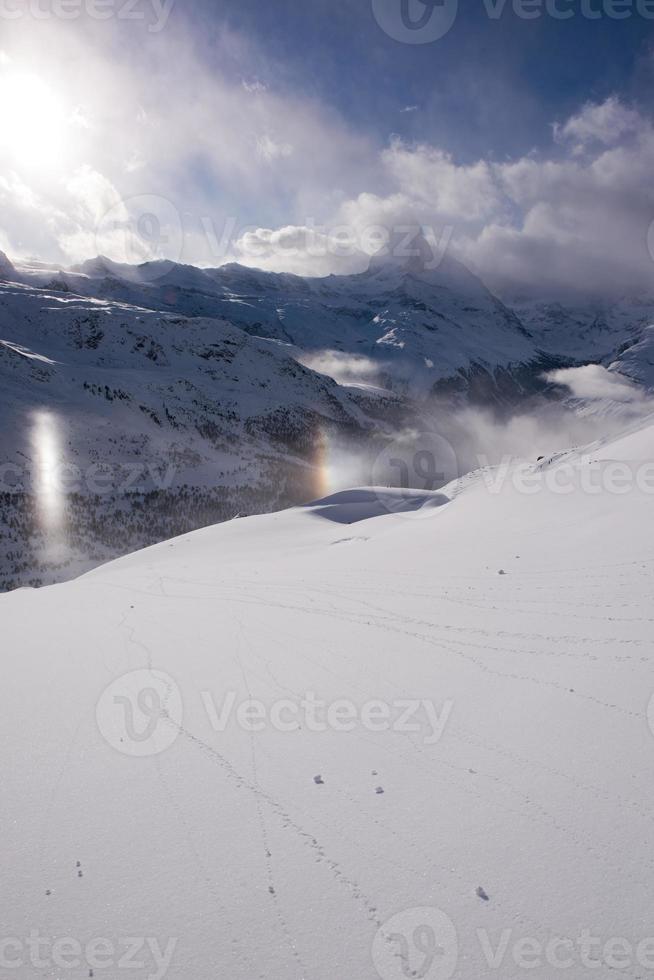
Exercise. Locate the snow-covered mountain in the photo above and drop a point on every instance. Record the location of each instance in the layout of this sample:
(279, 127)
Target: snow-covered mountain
(416, 321)
(149, 423)
(636, 357)
(589, 330)
(174, 397)
(471, 794)
(421, 321)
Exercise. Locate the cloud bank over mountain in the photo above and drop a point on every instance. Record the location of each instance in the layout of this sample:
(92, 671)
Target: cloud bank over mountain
(575, 221)
(264, 173)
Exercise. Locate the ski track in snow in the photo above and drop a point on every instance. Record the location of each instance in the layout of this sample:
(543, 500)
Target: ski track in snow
(537, 795)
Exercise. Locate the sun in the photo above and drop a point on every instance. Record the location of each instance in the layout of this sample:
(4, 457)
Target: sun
(32, 119)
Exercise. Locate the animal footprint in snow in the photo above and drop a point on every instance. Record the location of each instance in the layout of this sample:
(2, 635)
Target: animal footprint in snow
(482, 894)
(379, 790)
(319, 781)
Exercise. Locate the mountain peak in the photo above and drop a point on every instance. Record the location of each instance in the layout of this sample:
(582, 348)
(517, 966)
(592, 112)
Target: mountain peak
(410, 254)
(407, 249)
(6, 266)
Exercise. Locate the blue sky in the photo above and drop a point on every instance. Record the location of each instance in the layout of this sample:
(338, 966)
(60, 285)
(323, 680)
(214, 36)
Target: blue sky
(488, 88)
(527, 143)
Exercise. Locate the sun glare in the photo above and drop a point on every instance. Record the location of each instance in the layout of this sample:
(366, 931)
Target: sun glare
(47, 459)
(32, 119)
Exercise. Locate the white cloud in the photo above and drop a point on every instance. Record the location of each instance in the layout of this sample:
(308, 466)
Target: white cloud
(431, 179)
(605, 122)
(269, 150)
(92, 194)
(344, 368)
(553, 224)
(215, 142)
(301, 248)
(231, 154)
(594, 382)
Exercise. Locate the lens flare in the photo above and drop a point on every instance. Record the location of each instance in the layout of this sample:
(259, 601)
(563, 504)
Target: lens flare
(338, 465)
(46, 444)
(323, 481)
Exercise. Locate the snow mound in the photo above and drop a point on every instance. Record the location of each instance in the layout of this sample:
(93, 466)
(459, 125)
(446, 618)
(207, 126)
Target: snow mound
(362, 504)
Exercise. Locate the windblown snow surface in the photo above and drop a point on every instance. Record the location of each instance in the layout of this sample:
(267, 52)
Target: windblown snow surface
(517, 811)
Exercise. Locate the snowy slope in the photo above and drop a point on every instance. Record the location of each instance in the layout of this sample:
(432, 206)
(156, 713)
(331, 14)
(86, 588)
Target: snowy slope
(636, 359)
(585, 331)
(305, 854)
